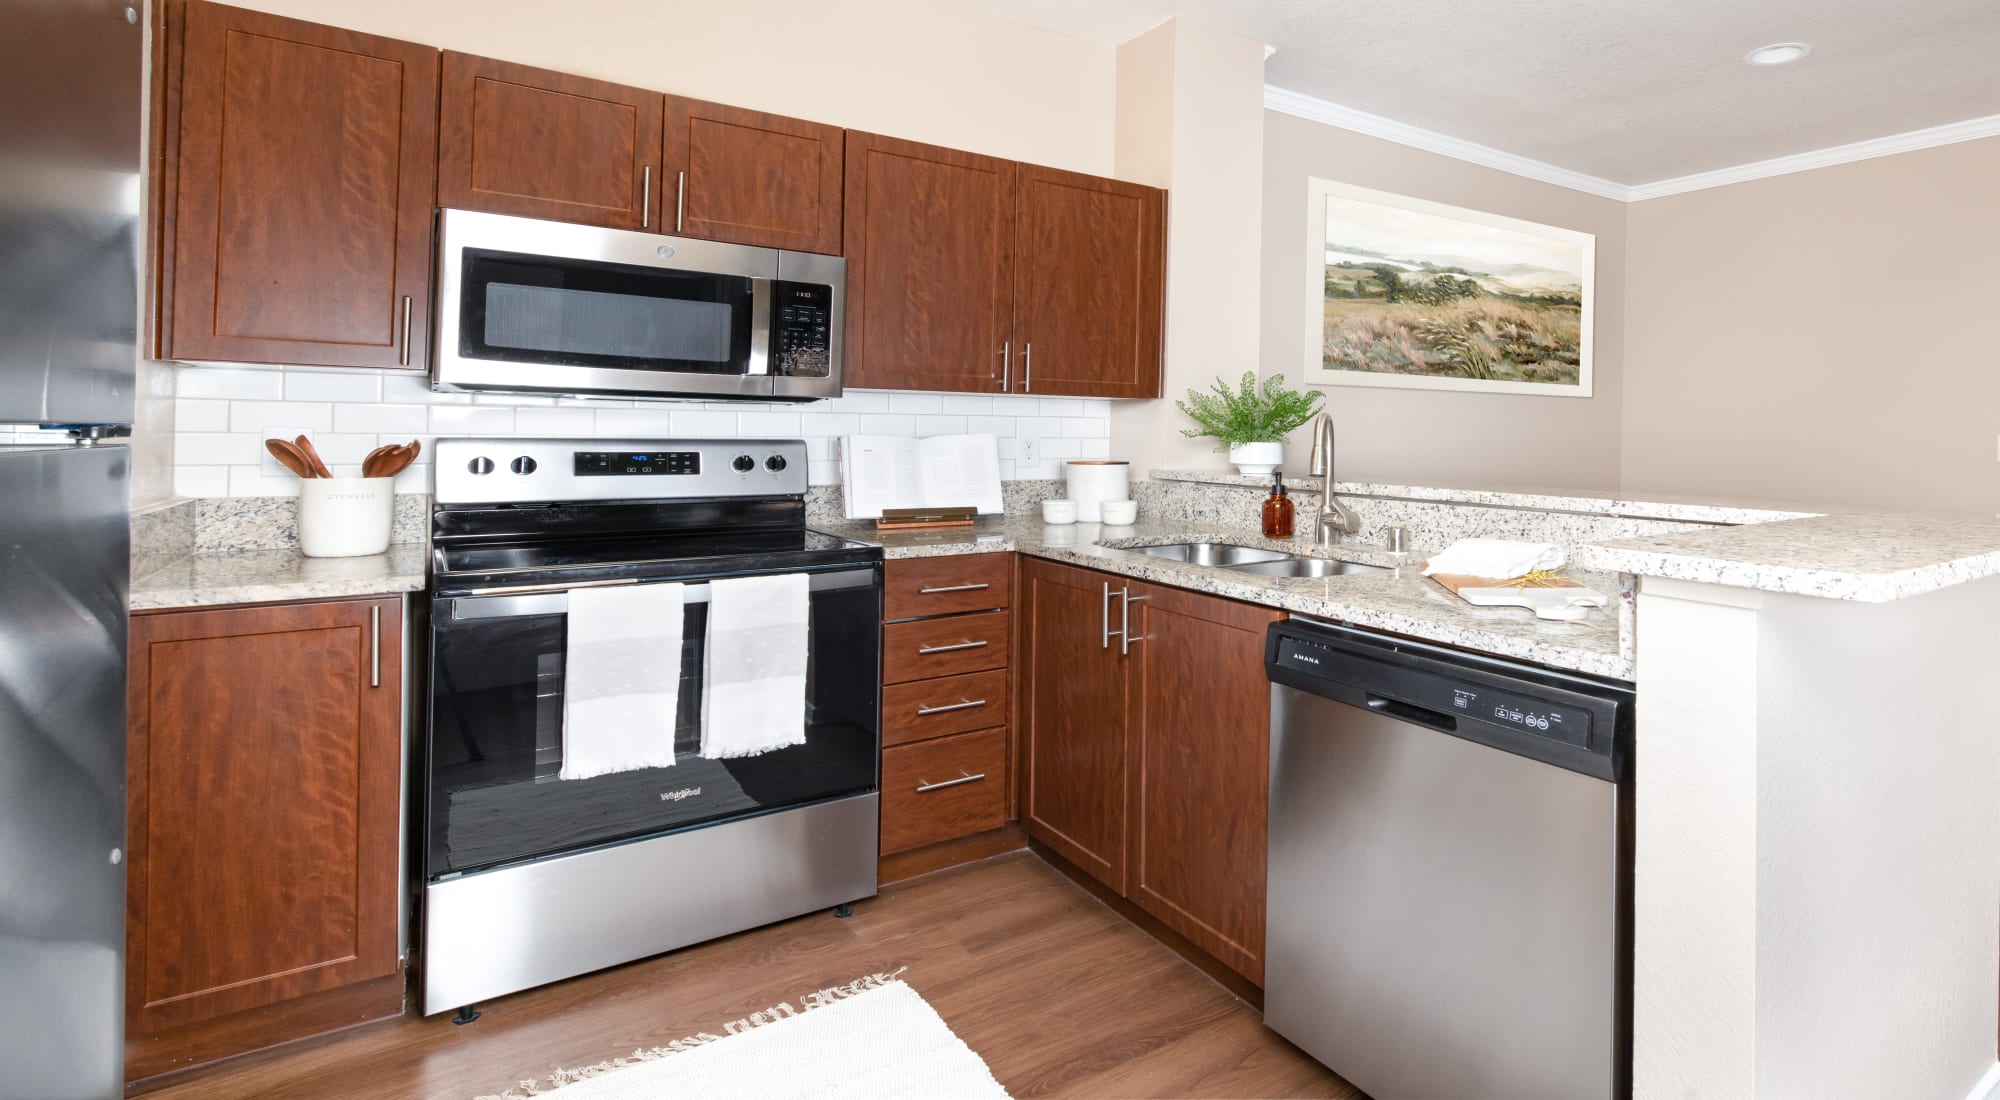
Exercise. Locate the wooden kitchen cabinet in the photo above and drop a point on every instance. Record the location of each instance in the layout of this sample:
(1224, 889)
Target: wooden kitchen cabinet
(1146, 765)
(305, 237)
(732, 174)
(513, 139)
(930, 266)
(265, 777)
(974, 274)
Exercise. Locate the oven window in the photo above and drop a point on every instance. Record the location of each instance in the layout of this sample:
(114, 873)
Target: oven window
(495, 739)
(537, 309)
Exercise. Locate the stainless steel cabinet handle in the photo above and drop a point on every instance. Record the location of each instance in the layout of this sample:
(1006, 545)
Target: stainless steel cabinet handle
(646, 201)
(1006, 364)
(1125, 639)
(406, 330)
(965, 705)
(375, 644)
(963, 777)
(951, 588)
(1028, 368)
(680, 201)
(928, 649)
(1106, 643)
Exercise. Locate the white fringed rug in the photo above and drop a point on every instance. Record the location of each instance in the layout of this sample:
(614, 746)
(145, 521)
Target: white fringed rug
(869, 1039)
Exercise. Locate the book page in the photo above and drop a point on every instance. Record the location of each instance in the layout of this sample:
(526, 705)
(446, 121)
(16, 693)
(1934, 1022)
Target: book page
(959, 470)
(877, 472)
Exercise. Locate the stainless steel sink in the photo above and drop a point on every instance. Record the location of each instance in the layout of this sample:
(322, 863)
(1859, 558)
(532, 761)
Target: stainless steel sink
(1306, 567)
(1212, 553)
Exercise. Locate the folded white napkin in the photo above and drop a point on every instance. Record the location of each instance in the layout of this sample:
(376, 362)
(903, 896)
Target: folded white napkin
(753, 698)
(1500, 559)
(621, 679)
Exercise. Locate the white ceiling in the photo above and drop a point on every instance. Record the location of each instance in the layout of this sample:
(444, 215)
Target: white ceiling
(1630, 91)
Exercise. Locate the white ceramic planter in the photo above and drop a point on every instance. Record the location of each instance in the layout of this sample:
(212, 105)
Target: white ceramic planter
(1257, 458)
(345, 517)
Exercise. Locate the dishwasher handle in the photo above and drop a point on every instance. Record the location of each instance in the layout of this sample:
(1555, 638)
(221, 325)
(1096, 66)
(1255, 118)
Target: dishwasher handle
(1422, 716)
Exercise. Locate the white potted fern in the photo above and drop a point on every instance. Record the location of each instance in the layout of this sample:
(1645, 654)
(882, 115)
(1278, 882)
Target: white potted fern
(1251, 426)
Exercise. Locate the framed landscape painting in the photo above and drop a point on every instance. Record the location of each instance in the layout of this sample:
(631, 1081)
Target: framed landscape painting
(1414, 294)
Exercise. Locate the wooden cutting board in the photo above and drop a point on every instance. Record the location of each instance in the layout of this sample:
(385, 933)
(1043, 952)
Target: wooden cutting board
(1559, 599)
(1456, 581)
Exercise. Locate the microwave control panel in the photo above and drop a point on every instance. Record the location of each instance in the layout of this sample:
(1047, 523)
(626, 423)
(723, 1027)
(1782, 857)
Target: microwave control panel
(801, 344)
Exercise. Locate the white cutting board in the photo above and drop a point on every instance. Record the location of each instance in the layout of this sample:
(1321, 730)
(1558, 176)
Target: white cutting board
(1564, 604)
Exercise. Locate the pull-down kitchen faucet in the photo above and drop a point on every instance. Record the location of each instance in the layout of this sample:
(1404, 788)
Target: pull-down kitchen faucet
(1334, 520)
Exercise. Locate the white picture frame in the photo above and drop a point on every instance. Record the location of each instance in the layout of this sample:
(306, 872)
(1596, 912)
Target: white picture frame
(1497, 296)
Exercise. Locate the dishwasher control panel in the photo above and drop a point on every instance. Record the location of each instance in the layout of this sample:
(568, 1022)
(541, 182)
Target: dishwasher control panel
(1533, 715)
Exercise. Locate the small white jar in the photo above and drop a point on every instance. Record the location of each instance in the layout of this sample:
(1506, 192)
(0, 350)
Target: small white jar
(1059, 511)
(1119, 513)
(345, 517)
(1092, 481)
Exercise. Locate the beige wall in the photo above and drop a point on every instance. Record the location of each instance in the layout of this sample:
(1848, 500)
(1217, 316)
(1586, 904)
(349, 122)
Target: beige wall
(1190, 98)
(915, 69)
(1824, 337)
(1439, 438)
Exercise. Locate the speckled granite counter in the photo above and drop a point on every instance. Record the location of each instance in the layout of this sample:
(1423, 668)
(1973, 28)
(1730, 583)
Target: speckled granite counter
(1401, 602)
(274, 576)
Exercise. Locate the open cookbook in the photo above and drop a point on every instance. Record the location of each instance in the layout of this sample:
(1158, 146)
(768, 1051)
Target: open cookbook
(943, 471)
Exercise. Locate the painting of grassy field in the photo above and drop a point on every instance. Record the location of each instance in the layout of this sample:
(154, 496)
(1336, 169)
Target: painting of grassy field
(1413, 293)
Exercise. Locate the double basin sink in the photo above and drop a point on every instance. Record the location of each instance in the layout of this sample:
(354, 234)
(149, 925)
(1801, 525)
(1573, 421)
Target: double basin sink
(1248, 559)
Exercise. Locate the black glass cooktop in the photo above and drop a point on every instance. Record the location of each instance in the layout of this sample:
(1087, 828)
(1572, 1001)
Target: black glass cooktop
(458, 567)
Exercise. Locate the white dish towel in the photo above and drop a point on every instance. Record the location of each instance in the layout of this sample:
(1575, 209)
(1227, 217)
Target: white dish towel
(753, 697)
(1500, 559)
(621, 679)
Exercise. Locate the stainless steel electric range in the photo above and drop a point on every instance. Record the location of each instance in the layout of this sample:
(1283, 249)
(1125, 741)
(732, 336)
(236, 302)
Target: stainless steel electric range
(530, 877)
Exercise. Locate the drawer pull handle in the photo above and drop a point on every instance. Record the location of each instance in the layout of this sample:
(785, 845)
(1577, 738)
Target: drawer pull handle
(952, 588)
(927, 650)
(966, 704)
(926, 785)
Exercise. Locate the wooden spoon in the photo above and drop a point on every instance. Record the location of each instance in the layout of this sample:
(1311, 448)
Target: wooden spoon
(290, 457)
(306, 448)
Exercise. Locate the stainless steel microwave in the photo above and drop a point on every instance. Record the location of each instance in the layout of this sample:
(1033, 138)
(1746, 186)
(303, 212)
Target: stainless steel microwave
(531, 306)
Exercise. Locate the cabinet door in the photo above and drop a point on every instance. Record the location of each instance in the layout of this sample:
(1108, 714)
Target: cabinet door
(1074, 718)
(738, 175)
(1200, 770)
(538, 144)
(930, 287)
(305, 236)
(265, 772)
(1089, 288)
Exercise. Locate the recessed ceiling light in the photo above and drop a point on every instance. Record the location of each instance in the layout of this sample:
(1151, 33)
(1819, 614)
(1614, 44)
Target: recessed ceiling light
(1777, 53)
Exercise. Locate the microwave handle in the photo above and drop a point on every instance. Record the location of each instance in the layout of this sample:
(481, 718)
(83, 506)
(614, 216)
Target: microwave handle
(760, 327)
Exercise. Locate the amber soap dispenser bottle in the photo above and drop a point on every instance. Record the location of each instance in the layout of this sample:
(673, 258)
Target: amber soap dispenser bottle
(1277, 509)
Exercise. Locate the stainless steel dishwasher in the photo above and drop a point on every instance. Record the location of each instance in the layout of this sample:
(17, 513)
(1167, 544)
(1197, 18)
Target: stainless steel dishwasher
(1450, 869)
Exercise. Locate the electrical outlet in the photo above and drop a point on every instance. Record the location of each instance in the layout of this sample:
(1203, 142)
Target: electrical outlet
(1028, 448)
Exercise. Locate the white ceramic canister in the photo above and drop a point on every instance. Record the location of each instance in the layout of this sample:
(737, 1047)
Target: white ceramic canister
(345, 517)
(1092, 481)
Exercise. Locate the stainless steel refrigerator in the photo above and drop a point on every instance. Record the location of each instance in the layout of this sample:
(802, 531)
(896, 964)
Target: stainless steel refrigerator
(70, 83)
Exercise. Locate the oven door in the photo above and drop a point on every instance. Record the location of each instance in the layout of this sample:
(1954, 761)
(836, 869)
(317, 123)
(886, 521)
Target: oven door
(494, 747)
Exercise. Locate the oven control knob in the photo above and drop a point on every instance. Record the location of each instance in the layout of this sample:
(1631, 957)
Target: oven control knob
(522, 465)
(775, 463)
(480, 465)
(743, 464)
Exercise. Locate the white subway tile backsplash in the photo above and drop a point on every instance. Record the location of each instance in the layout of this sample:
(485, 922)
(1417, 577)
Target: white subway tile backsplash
(304, 385)
(224, 414)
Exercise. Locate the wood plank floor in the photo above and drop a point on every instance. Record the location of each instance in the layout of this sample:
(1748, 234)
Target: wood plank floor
(1061, 996)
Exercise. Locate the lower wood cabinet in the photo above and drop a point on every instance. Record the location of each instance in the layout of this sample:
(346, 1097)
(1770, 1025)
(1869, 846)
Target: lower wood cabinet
(1145, 759)
(265, 778)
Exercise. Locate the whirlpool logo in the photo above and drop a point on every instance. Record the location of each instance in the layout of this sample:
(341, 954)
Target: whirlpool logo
(676, 796)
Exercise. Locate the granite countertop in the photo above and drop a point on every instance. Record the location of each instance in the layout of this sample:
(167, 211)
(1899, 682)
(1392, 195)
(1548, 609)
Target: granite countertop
(276, 576)
(1401, 601)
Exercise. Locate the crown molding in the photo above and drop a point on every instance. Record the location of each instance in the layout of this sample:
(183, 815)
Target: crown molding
(1416, 137)
(1951, 133)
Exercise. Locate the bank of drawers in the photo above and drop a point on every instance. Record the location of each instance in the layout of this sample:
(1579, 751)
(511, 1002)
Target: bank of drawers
(945, 694)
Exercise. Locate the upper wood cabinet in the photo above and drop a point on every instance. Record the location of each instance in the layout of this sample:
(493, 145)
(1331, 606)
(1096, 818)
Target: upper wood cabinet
(732, 174)
(539, 144)
(974, 274)
(265, 779)
(1089, 263)
(930, 266)
(1146, 763)
(305, 236)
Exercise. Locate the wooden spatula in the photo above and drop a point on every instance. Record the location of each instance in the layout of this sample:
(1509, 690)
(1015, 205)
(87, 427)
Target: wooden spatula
(306, 448)
(290, 457)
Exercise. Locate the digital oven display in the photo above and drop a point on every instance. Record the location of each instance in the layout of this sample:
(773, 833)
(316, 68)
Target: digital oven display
(624, 463)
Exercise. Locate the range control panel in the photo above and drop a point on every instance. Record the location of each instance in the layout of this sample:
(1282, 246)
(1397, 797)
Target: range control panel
(524, 471)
